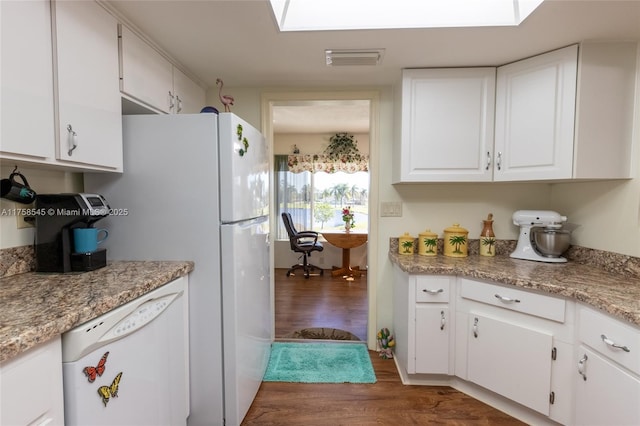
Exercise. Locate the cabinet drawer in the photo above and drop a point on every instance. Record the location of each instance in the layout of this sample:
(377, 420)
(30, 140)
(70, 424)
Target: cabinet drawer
(516, 300)
(593, 325)
(432, 289)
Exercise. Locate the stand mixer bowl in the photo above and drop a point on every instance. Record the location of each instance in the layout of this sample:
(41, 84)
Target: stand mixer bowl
(551, 242)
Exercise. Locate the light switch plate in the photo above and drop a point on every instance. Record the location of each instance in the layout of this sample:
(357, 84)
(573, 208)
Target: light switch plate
(391, 209)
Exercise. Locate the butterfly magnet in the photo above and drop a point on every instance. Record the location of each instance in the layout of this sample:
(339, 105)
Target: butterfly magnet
(93, 372)
(107, 392)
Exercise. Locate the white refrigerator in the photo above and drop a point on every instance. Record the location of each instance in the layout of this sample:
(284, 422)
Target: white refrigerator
(196, 187)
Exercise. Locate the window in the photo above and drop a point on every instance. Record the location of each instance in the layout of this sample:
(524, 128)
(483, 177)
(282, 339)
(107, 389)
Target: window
(315, 199)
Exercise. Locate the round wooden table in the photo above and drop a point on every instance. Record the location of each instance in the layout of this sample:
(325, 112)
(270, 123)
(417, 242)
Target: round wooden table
(346, 241)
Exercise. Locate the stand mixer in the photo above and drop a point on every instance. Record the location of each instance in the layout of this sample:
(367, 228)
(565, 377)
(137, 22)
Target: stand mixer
(527, 220)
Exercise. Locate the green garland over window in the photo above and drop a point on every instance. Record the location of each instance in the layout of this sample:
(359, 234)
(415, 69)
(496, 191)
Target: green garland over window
(343, 147)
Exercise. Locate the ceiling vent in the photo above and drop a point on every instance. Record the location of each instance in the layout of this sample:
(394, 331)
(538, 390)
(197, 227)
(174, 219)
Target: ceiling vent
(338, 58)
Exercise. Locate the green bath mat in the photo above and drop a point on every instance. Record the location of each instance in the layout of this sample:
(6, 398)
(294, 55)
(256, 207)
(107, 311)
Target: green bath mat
(319, 363)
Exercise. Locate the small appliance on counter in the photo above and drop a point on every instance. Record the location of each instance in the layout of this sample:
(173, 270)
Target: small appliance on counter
(543, 237)
(56, 217)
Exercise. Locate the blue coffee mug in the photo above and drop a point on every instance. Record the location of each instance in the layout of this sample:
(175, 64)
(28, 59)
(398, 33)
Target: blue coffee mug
(85, 240)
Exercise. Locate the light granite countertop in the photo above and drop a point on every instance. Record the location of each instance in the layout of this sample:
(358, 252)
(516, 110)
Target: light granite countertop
(35, 306)
(616, 294)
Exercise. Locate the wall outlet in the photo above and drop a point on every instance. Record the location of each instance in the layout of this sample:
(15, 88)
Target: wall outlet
(20, 216)
(391, 209)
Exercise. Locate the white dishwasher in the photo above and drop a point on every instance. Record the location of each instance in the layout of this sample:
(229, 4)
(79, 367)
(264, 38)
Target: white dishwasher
(130, 366)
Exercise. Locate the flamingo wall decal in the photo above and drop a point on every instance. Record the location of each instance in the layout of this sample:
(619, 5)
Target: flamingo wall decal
(225, 99)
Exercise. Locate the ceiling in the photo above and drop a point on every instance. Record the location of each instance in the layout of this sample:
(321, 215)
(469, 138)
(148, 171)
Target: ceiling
(238, 41)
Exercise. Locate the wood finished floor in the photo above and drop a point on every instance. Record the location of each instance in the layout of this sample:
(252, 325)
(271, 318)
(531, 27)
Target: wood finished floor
(327, 302)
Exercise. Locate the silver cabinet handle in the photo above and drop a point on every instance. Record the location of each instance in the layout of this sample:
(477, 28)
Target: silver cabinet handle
(506, 299)
(582, 366)
(72, 142)
(613, 344)
(178, 104)
(488, 160)
(171, 103)
(426, 290)
(442, 320)
(475, 327)
(499, 164)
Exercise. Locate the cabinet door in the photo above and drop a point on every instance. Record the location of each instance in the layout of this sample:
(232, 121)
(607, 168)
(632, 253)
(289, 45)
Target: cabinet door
(190, 98)
(89, 105)
(26, 76)
(535, 111)
(31, 387)
(511, 360)
(432, 339)
(146, 75)
(447, 125)
(605, 393)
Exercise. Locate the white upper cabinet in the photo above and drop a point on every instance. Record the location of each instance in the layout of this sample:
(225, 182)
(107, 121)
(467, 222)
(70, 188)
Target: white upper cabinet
(146, 75)
(150, 78)
(446, 125)
(535, 109)
(26, 80)
(89, 105)
(566, 114)
(190, 98)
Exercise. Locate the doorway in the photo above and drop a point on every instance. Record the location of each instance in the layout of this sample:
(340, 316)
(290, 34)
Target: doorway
(314, 109)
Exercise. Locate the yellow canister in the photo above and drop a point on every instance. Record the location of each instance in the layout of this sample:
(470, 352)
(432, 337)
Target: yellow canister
(428, 243)
(455, 241)
(405, 244)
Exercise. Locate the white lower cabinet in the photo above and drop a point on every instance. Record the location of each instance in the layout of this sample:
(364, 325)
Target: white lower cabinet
(605, 393)
(423, 326)
(511, 360)
(433, 336)
(31, 387)
(606, 370)
(499, 343)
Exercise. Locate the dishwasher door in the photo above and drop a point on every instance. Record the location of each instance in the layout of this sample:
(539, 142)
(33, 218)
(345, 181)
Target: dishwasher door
(130, 366)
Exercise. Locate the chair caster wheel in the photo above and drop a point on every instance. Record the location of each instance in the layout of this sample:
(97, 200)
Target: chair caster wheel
(288, 273)
(321, 271)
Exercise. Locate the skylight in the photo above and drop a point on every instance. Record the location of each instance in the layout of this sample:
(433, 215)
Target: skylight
(321, 15)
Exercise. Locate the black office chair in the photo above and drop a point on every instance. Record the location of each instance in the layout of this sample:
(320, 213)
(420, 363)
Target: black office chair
(302, 242)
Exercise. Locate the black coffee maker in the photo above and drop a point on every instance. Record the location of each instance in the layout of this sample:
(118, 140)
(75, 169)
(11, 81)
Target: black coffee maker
(56, 217)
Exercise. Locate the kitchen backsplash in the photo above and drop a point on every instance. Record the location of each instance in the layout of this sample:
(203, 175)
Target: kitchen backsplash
(18, 260)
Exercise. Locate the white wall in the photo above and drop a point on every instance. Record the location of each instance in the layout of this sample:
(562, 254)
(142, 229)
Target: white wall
(608, 212)
(312, 143)
(41, 180)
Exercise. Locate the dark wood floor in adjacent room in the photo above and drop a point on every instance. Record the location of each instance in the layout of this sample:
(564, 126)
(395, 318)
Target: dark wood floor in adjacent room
(336, 303)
